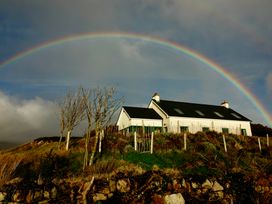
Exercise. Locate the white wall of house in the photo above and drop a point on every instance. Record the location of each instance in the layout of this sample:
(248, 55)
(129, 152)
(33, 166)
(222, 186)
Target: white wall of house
(196, 124)
(146, 122)
(125, 121)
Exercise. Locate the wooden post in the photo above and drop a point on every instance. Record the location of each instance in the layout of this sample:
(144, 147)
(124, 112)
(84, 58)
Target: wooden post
(68, 140)
(225, 144)
(267, 140)
(260, 146)
(178, 128)
(135, 141)
(101, 136)
(185, 141)
(152, 142)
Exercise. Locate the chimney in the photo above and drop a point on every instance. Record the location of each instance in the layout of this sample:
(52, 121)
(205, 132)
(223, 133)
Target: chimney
(225, 104)
(156, 97)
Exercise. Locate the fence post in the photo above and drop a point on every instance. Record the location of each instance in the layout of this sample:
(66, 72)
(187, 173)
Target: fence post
(225, 144)
(267, 140)
(260, 146)
(101, 136)
(185, 141)
(152, 142)
(135, 141)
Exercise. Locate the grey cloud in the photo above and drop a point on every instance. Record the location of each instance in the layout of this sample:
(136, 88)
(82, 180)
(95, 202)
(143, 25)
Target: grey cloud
(269, 84)
(23, 120)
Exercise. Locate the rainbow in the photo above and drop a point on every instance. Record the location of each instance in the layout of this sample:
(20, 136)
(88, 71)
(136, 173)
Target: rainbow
(163, 42)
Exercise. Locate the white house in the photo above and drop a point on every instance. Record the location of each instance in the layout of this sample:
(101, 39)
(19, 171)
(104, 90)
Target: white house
(139, 119)
(180, 117)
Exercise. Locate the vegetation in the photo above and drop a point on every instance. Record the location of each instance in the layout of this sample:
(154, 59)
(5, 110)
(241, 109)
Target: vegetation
(97, 106)
(260, 130)
(204, 157)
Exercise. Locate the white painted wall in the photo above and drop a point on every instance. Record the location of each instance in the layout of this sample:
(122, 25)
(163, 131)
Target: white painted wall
(146, 122)
(196, 124)
(123, 120)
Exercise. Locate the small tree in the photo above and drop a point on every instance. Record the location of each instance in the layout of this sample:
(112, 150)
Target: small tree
(71, 113)
(100, 106)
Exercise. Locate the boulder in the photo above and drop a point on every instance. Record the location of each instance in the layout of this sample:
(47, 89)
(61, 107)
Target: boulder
(99, 197)
(29, 197)
(14, 181)
(217, 187)
(174, 199)
(54, 193)
(2, 196)
(17, 197)
(123, 185)
(46, 194)
(112, 185)
(207, 184)
(194, 185)
(38, 195)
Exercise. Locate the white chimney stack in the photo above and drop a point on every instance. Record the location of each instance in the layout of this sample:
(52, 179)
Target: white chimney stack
(156, 97)
(225, 104)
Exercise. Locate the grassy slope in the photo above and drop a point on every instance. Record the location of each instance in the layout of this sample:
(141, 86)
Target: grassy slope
(204, 157)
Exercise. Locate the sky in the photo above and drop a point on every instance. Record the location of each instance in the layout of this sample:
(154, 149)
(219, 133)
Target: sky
(236, 35)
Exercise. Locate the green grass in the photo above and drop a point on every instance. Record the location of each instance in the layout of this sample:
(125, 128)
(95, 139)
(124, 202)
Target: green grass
(172, 159)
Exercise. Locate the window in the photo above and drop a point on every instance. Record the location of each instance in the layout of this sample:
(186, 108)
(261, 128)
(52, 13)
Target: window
(184, 129)
(243, 132)
(225, 130)
(218, 114)
(199, 113)
(205, 129)
(236, 116)
(178, 111)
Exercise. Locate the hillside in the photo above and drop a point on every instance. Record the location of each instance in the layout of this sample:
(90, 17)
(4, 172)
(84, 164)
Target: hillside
(40, 171)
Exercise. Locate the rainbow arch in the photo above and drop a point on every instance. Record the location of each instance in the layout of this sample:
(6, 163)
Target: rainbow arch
(163, 42)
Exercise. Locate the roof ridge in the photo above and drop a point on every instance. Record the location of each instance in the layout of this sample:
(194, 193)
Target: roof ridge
(190, 103)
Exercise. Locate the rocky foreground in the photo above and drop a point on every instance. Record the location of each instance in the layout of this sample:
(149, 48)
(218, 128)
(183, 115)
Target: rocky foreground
(134, 185)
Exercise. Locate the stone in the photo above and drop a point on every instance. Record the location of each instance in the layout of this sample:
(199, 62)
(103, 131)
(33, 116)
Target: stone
(105, 191)
(123, 185)
(43, 202)
(29, 197)
(112, 185)
(216, 196)
(16, 197)
(217, 187)
(176, 185)
(174, 199)
(99, 197)
(194, 185)
(37, 195)
(54, 193)
(207, 184)
(2, 196)
(46, 194)
(258, 188)
(14, 181)
(266, 189)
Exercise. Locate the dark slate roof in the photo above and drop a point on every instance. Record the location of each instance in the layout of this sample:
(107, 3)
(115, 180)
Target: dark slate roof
(146, 113)
(183, 109)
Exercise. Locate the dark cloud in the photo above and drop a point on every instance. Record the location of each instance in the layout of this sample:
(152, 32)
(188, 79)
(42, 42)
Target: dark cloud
(23, 120)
